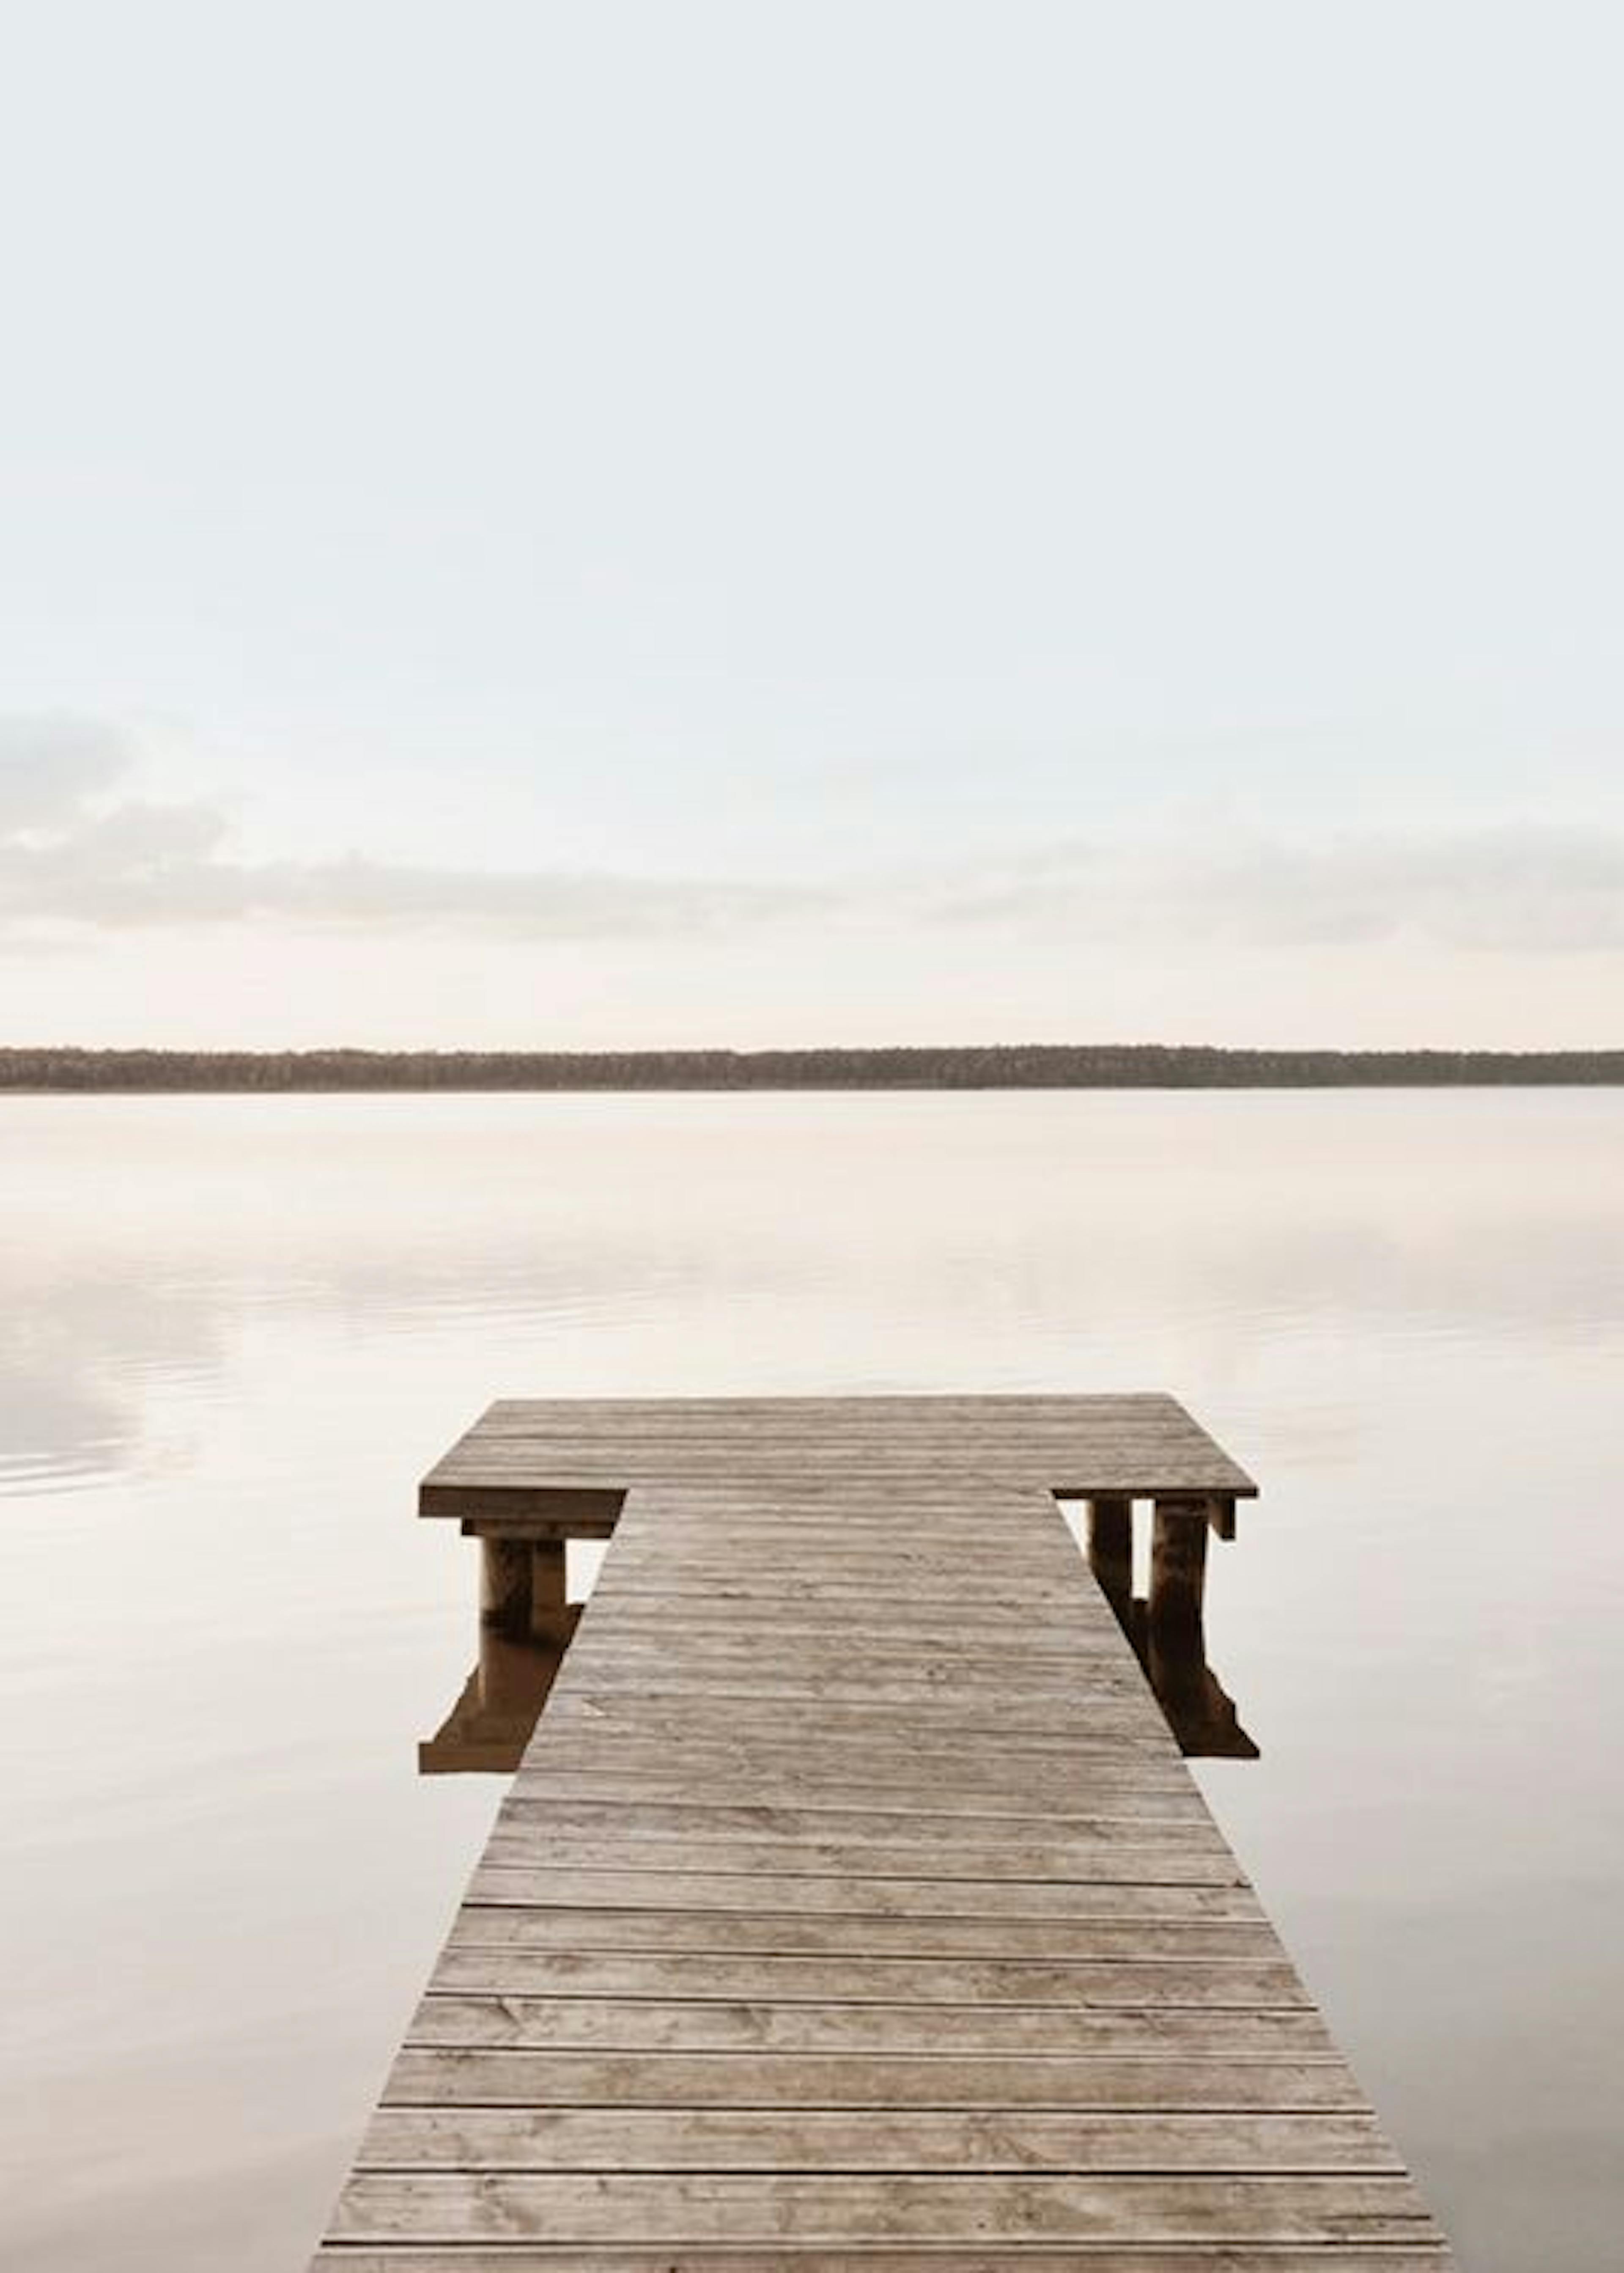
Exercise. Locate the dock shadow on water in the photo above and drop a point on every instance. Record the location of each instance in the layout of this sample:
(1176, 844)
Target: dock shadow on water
(525, 1628)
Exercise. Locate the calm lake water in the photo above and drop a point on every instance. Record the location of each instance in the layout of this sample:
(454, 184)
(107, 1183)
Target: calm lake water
(236, 1332)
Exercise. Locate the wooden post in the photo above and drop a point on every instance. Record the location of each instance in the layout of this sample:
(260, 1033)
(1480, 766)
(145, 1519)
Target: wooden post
(1110, 1553)
(504, 1584)
(1177, 1578)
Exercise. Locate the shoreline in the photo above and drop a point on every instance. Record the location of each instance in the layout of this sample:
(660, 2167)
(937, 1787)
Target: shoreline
(67, 1071)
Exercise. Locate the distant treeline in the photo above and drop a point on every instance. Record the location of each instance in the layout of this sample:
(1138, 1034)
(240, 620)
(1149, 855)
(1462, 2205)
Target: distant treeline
(1025, 1066)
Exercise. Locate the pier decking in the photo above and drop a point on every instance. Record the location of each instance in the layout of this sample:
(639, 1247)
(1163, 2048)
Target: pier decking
(852, 1905)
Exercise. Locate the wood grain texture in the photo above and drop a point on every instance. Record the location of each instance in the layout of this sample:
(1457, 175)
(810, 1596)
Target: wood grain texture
(1121, 1984)
(506, 2020)
(852, 2211)
(818, 2139)
(1141, 1923)
(852, 1906)
(1168, 2080)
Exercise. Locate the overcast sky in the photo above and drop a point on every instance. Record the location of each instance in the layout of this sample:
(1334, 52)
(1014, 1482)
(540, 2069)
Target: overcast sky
(531, 524)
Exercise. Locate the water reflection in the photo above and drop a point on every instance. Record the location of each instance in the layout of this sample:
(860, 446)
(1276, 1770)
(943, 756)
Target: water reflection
(486, 1730)
(630, 1233)
(1194, 1703)
(525, 1624)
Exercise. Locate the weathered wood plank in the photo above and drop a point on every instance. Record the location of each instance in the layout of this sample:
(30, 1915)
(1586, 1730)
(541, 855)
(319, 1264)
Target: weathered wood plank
(511, 2020)
(1082, 1758)
(1133, 1857)
(1168, 2209)
(640, 1617)
(1145, 1921)
(608, 2139)
(838, 1679)
(841, 1895)
(1170, 2081)
(662, 1820)
(996, 1784)
(1022, 1770)
(1107, 1985)
(1052, 1723)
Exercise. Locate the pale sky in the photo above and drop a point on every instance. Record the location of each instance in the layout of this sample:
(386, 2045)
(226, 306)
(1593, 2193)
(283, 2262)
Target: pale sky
(605, 523)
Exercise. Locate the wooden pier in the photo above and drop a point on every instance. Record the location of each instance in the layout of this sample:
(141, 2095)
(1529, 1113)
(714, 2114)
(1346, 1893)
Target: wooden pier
(852, 1905)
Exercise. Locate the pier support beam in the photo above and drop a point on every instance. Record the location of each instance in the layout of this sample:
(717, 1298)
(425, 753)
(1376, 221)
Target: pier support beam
(523, 1588)
(504, 1584)
(1178, 1579)
(1110, 1554)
